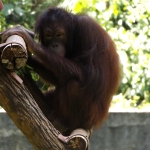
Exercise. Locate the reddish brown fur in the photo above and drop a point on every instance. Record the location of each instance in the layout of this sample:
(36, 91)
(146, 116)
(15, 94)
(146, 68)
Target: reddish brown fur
(86, 77)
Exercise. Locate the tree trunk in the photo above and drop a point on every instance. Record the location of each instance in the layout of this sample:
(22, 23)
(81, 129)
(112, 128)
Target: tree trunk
(24, 111)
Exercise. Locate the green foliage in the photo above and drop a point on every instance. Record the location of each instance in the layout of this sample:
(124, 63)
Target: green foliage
(127, 21)
(24, 12)
(2, 22)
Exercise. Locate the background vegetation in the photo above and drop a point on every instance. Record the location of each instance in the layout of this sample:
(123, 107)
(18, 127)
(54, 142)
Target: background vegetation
(127, 21)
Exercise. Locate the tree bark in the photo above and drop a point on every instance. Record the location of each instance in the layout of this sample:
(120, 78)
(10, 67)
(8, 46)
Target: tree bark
(24, 111)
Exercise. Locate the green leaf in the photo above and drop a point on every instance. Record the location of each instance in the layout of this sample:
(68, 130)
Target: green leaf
(19, 11)
(8, 9)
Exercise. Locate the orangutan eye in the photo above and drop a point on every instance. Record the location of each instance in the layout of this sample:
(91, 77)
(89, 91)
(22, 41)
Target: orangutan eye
(48, 34)
(59, 35)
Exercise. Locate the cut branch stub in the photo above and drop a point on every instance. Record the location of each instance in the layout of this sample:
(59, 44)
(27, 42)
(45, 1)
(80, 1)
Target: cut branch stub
(14, 55)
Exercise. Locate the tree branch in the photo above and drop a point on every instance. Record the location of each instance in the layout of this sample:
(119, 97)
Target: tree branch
(23, 110)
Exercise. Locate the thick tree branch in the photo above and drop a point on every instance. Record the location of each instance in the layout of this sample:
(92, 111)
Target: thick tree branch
(23, 110)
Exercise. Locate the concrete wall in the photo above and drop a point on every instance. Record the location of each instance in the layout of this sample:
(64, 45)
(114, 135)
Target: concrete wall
(122, 131)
